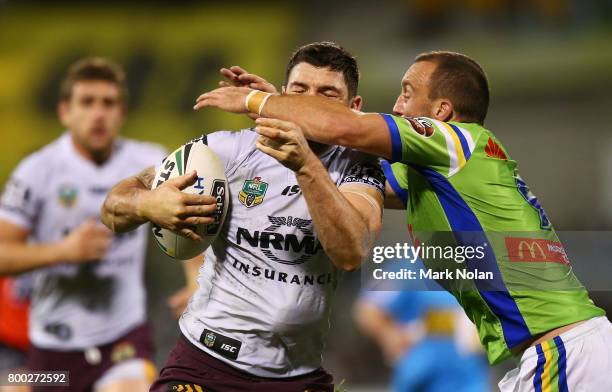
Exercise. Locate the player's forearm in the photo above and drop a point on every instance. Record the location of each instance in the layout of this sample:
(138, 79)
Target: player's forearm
(323, 121)
(122, 210)
(392, 200)
(191, 268)
(340, 228)
(17, 258)
(328, 122)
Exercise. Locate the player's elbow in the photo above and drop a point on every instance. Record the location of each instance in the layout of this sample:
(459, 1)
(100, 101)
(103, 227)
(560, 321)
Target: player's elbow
(350, 261)
(348, 266)
(106, 214)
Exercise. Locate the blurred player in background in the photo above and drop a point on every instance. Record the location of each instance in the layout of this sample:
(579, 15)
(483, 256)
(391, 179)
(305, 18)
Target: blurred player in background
(461, 181)
(300, 215)
(15, 295)
(426, 338)
(88, 305)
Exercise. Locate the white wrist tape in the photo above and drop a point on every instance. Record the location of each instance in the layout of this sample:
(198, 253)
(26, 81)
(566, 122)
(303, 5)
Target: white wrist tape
(256, 100)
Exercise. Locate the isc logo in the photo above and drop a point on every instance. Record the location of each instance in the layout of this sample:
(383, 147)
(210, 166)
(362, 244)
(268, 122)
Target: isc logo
(229, 348)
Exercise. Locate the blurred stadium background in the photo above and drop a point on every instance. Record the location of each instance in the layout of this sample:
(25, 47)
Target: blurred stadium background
(549, 64)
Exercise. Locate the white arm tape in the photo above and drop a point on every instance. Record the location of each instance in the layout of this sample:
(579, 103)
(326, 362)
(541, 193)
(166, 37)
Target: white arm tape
(368, 198)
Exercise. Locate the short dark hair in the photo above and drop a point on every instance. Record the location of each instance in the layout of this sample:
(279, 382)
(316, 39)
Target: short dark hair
(92, 69)
(329, 55)
(460, 79)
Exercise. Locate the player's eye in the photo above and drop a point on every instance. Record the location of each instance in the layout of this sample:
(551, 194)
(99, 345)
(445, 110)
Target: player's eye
(109, 102)
(87, 101)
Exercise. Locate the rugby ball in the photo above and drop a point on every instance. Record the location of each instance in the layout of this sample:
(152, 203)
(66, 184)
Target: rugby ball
(211, 181)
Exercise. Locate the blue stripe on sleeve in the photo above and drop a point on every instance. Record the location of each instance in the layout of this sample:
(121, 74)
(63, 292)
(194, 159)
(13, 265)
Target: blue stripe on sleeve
(399, 191)
(396, 141)
(464, 145)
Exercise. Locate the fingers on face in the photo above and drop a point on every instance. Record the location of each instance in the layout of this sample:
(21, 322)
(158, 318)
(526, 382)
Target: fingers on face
(263, 86)
(248, 78)
(275, 123)
(267, 150)
(238, 70)
(227, 73)
(276, 144)
(275, 133)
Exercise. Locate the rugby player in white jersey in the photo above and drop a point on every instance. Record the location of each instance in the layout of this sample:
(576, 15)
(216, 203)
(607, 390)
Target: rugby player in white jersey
(300, 215)
(88, 307)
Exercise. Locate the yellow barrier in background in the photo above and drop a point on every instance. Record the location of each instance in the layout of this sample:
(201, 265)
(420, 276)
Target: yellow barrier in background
(172, 54)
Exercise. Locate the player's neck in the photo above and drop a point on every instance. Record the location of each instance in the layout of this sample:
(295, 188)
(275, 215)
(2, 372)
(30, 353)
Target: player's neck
(98, 158)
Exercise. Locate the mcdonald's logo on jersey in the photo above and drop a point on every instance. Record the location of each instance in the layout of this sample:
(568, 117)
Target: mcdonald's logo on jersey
(522, 249)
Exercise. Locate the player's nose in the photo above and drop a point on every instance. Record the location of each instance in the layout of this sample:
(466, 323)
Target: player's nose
(398, 108)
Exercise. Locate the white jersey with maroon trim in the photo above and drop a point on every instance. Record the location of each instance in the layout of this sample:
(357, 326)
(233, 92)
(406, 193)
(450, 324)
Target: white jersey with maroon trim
(51, 193)
(266, 285)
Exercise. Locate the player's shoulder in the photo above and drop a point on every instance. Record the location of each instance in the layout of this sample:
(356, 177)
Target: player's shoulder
(244, 136)
(41, 161)
(354, 166)
(142, 147)
(147, 152)
(349, 155)
(235, 145)
(427, 126)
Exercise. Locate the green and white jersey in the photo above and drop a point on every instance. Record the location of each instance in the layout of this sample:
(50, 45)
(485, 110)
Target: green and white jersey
(458, 179)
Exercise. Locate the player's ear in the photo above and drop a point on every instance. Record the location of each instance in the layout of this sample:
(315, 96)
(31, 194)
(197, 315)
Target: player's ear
(443, 109)
(62, 111)
(357, 103)
(124, 110)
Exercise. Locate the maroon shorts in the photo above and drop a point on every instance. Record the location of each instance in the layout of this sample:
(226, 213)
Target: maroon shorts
(86, 367)
(190, 369)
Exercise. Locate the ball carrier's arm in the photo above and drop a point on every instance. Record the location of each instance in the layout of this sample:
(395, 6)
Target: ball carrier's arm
(131, 203)
(347, 220)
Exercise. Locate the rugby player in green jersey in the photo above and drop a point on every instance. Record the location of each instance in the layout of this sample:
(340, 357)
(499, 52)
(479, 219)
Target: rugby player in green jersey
(454, 176)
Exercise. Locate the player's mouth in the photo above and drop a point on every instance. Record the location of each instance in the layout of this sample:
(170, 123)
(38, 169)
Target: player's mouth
(98, 131)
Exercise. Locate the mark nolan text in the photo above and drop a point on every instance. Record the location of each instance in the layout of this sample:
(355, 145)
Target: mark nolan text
(406, 274)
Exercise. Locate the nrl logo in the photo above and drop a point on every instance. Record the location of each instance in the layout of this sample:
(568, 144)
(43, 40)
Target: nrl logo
(209, 339)
(253, 192)
(67, 195)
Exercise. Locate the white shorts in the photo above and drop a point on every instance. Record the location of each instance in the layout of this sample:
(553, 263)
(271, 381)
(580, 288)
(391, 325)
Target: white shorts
(577, 360)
